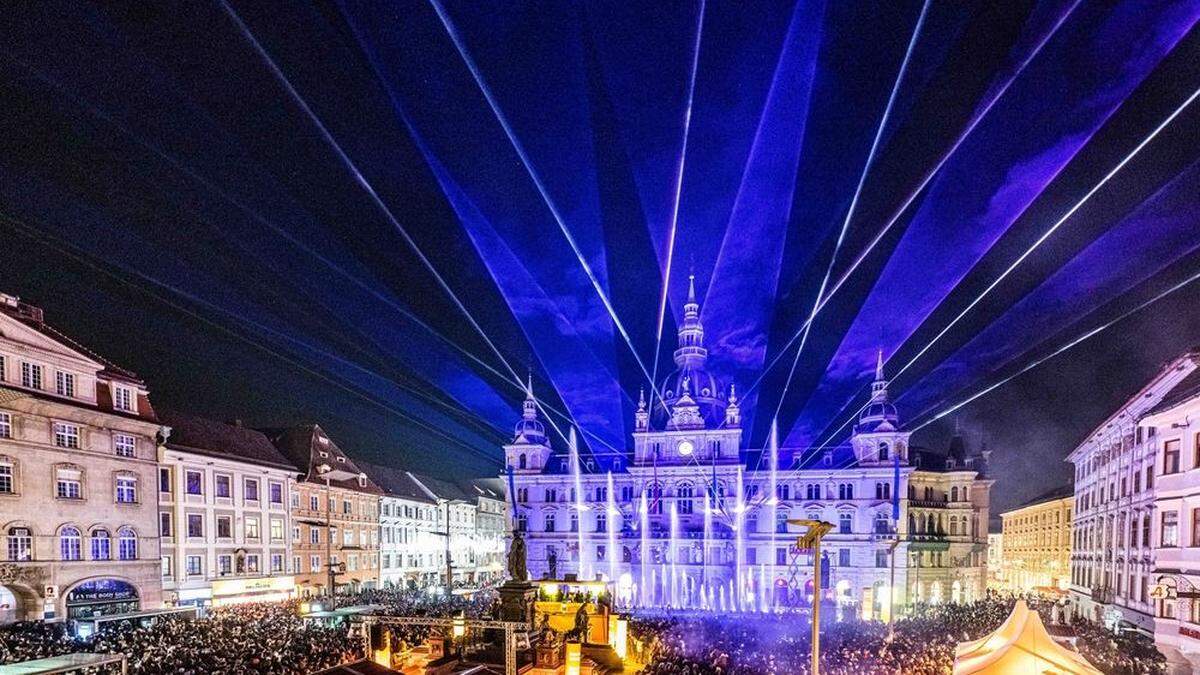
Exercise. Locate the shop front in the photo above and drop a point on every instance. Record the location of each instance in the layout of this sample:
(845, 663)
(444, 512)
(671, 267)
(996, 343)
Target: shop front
(264, 589)
(102, 597)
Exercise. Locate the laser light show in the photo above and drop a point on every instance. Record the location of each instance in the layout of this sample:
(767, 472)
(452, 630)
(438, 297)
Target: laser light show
(696, 337)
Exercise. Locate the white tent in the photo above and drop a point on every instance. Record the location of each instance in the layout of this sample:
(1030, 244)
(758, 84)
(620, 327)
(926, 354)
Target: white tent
(1020, 646)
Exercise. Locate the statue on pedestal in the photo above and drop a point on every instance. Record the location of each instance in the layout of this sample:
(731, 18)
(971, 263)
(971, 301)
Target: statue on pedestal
(517, 569)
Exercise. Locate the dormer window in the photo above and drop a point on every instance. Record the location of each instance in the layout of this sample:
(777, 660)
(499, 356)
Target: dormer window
(341, 459)
(322, 440)
(123, 399)
(323, 454)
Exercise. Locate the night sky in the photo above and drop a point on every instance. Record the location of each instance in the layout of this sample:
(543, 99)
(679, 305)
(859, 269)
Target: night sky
(381, 217)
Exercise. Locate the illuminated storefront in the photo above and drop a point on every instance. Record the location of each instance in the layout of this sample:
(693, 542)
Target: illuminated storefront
(102, 597)
(238, 591)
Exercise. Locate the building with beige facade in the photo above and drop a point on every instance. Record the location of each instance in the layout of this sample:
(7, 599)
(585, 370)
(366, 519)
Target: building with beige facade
(1037, 543)
(225, 526)
(78, 512)
(336, 508)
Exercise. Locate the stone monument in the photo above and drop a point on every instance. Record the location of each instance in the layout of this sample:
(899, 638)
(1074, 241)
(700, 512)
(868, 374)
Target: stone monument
(517, 595)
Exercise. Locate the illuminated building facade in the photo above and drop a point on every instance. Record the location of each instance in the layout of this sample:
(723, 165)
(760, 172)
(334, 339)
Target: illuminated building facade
(336, 509)
(225, 495)
(690, 518)
(1175, 529)
(1037, 543)
(1112, 560)
(78, 513)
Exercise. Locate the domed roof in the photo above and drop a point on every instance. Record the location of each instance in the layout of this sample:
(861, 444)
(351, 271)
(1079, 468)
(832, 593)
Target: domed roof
(529, 429)
(532, 431)
(703, 387)
(690, 373)
(879, 413)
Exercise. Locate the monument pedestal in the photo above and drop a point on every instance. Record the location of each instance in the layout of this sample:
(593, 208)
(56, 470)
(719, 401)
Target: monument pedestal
(517, 600)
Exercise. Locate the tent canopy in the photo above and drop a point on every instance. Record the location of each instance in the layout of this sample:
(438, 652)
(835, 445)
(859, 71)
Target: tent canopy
(1020, 645)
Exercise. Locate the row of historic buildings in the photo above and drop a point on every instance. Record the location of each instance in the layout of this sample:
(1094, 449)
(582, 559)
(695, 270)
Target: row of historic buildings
(1135, 538)
(690, 518)
(109, 506)
(1123, 542)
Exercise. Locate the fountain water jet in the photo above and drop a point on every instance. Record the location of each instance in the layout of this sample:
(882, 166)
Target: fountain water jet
(612, 525)
(579, 504)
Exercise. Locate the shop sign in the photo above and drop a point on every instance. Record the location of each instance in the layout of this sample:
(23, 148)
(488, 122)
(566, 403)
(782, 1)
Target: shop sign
(249, 586)
(101, 590)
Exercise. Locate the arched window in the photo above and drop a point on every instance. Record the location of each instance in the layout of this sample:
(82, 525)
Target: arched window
(654, 498)
(954, 493)
(912, 492)
(813, 491)
(685, 503)
(928, 494)
(550, 521)
(70, 544)
(930, 525)
(882, 524)
(127, 544)
(101, 545)
(20, 544)
(912, 524)
(884, 452)
(521, 461)
(953, 524)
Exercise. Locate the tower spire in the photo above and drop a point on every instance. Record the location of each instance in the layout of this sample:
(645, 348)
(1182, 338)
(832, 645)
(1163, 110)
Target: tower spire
(879, 386)
(691, 351)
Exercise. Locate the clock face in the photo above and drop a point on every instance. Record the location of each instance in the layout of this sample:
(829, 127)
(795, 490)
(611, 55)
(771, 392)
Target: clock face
(686, 448)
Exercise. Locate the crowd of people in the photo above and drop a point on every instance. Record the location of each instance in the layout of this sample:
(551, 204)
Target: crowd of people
(923, 643)
(275, 638)
(265, 638)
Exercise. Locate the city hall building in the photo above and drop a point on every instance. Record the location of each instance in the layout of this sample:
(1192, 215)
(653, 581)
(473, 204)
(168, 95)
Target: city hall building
(691, 518)
(78, 511)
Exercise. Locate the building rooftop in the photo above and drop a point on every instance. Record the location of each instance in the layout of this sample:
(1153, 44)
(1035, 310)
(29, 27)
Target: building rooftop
(34, 318)
(308, 446)
(397, 482)
(191, 433)
(1059, 492)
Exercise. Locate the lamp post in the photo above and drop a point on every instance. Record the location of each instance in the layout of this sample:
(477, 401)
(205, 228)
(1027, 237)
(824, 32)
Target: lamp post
(812, 540)
(323, 470)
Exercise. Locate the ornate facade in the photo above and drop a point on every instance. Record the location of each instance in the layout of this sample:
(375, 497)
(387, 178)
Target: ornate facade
(1112, 556)
(692, 518)
(78, 512)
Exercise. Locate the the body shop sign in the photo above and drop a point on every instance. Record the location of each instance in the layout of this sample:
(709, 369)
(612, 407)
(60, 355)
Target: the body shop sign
(101, 590)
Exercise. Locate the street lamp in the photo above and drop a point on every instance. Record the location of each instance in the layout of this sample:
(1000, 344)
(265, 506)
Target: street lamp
(812, 540)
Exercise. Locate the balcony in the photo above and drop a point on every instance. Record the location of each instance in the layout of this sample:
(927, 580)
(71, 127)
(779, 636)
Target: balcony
(1102, 594)
(930, 503)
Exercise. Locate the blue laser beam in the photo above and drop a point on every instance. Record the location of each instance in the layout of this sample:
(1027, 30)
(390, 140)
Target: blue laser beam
(862, 179)
(538, 183)
(1073, 343)
(687, 124)
(1051, 230)
(1038, 242)
(916, 192)
(365, 184)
